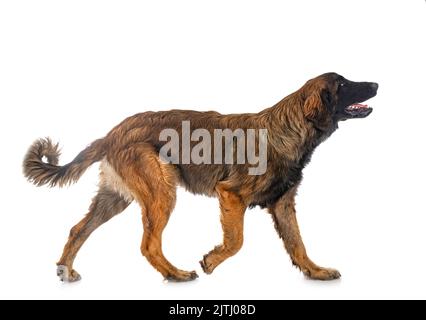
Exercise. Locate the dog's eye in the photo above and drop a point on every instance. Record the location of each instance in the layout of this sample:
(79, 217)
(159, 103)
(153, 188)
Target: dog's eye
(342, 84)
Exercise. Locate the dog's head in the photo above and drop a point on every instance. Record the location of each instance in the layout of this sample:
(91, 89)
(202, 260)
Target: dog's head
(330, 98)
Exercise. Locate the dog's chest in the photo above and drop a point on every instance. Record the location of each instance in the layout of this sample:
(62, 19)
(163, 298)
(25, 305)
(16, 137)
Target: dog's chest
(277, 187)
(284, 178)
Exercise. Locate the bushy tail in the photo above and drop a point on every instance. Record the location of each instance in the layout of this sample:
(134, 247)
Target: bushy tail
(41, 173)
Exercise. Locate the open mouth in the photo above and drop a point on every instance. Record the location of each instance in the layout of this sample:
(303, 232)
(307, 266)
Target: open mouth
(358, 110)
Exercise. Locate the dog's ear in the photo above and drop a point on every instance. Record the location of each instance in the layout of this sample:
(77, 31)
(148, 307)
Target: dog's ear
(318, 108)
(313, 106)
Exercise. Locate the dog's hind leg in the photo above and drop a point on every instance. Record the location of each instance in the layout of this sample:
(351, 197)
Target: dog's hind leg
(232, 219)
(105, 205)
(153, 183)
(284, 215)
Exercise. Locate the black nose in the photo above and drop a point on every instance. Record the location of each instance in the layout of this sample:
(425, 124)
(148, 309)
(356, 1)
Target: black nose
(374, 85)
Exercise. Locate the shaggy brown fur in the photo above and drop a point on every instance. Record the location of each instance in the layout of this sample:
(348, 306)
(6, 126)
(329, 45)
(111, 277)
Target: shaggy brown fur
(131, 170)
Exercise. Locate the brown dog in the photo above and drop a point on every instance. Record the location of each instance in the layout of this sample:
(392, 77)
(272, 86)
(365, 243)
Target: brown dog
(132, 169)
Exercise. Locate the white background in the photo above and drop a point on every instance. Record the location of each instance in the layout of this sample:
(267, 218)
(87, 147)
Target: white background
(72, 70)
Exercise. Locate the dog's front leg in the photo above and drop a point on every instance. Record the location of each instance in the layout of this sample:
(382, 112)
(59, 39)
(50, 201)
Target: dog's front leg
(284, 215)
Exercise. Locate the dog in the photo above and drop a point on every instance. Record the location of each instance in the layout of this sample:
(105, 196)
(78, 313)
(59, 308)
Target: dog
(132, 169)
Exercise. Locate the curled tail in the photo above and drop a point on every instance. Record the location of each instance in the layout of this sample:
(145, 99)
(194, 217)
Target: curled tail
(40, 173)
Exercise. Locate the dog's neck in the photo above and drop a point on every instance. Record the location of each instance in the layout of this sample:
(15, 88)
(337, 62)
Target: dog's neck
(290, 134)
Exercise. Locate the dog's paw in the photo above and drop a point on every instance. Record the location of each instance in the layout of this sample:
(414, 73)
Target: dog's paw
(182, 276)
(322, 274)
(207, 267)
(67, 275)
